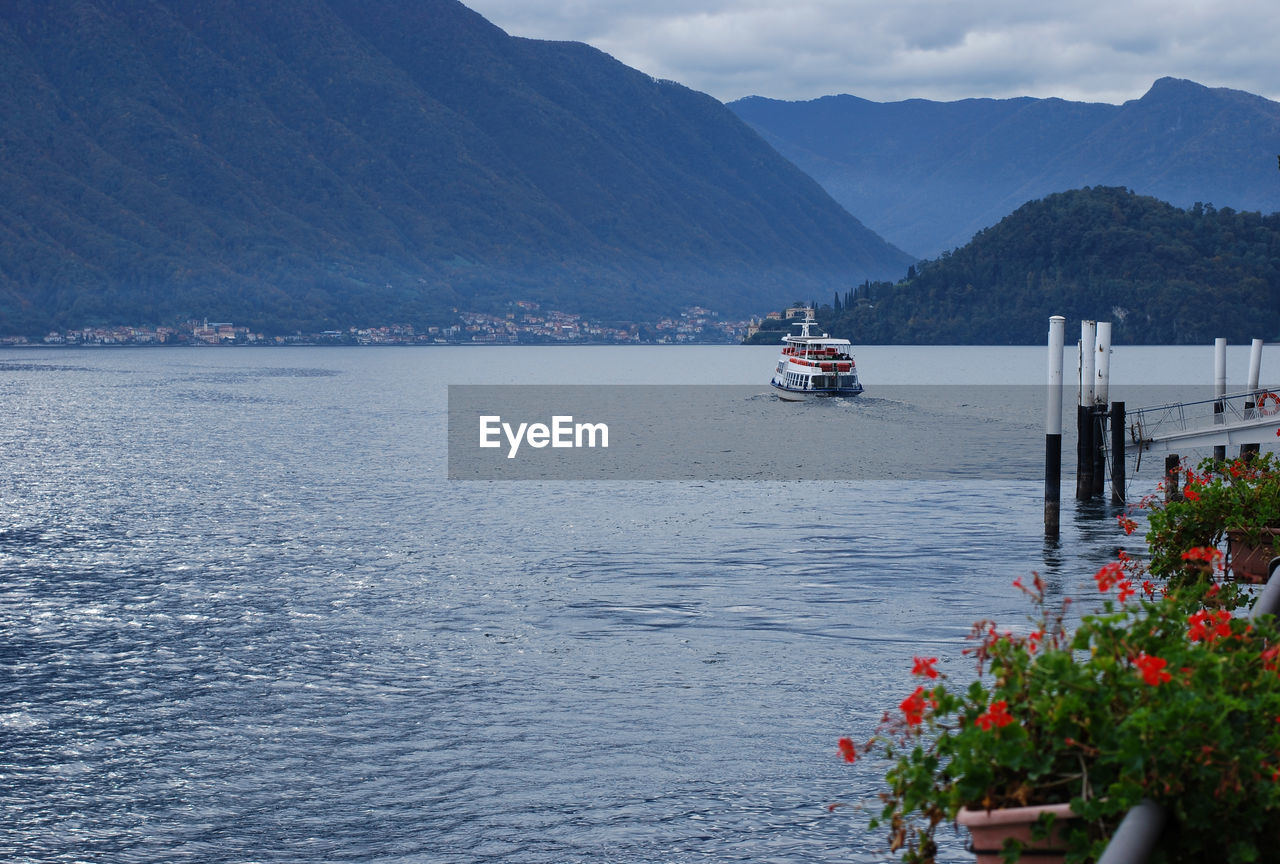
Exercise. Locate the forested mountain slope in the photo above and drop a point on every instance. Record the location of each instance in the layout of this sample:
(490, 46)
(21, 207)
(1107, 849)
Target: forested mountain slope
(1160, 274)
(311, 163)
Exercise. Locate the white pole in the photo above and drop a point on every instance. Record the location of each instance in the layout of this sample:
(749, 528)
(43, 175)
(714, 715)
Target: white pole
(1219, 390)
(1219, 367)
(1102, 388)
(1088, 357)
(1255, 364)
(1057, 338)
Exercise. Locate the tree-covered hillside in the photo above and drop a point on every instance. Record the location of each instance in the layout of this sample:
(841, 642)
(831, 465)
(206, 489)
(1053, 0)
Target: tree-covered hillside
(1161, 274)
(311, 163)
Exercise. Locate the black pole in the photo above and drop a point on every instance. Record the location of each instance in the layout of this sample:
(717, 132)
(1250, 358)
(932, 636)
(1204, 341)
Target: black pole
(1171, 465)
(1117, 453)
(1084, 453)
(1052, 484)
(1099, 450)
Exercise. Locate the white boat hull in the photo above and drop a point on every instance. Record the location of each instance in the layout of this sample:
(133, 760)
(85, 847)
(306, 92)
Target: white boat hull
(789, 395)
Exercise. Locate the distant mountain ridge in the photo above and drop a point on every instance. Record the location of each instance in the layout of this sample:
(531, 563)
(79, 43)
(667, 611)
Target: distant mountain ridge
(311, 163)
(929, 175)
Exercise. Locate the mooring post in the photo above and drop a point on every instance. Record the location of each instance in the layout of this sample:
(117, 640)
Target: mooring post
(1255, 373)
(1099, 442)
(1084, 412)
(1101, 389)
(1251, 401)
(1053, 429)
(1172, 464)
(1102, 365)
(1117, 453)
(1219, 390)
(1084, 453)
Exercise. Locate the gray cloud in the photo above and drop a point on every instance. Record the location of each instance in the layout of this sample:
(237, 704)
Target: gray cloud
(1090, 50)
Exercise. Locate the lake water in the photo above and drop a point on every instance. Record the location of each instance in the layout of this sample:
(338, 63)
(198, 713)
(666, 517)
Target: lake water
(247, 618)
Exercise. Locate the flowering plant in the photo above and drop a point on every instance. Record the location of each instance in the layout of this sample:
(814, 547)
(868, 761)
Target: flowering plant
(1241, 497)
(1160, 694)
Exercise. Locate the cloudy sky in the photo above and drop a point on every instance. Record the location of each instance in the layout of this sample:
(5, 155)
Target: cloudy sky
(885, 50)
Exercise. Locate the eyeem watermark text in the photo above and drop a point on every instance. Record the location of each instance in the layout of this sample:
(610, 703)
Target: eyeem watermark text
(562, 432)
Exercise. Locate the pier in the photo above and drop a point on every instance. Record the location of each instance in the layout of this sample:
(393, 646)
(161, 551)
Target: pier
(1107, 433)
(1236, 419)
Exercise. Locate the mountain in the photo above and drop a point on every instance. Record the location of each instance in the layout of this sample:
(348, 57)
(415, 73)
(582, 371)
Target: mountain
(929, 175)
(312, 163)
(1161, 274)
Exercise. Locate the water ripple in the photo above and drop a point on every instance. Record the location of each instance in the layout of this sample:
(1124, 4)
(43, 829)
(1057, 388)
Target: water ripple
(245, 621)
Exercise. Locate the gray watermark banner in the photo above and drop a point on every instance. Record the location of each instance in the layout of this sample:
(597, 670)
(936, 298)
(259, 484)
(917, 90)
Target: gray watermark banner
(698, 432)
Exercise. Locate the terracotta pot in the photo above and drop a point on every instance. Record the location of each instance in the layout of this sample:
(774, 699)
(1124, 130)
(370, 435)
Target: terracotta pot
(988, 829)
(1249, 562)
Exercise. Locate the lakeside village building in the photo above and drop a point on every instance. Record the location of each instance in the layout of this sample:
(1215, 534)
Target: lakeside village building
(524, 323)
(193, 332)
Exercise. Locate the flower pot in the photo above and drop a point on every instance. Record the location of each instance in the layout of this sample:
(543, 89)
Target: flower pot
(988, 829)
(1248, 560)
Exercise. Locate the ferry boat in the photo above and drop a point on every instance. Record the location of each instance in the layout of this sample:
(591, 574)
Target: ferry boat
(813, 366)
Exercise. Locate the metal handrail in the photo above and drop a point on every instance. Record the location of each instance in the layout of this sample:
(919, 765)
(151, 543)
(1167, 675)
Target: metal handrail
(1139, 831)
(1268, 602)
(1136, 835)
(1146, 423)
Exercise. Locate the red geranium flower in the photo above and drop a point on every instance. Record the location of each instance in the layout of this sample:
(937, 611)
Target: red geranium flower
(924, 666)
(1108, 575)
(997, 715)
(1034, 639)
(1152, 669)
(847, 750)
(1208, 626)
(913, 707)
